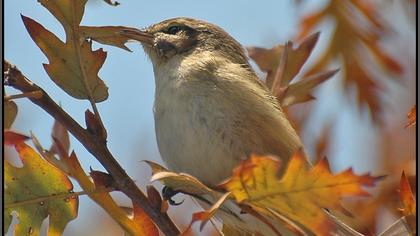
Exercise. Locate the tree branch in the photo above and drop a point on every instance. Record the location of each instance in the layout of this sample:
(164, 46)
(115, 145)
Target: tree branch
(94, 144)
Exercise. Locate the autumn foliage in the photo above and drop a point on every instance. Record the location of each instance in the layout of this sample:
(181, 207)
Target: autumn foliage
(306, 198)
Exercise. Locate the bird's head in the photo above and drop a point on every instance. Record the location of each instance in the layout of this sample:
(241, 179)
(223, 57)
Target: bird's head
(181, 37)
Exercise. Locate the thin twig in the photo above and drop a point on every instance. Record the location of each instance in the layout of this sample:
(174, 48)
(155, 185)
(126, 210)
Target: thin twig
(86, 84)
(34, 94)
(94, 144)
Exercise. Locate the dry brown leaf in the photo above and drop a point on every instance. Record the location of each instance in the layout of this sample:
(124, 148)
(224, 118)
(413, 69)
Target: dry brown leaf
(282, 64)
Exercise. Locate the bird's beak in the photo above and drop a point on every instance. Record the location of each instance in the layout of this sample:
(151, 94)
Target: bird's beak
(138, 35)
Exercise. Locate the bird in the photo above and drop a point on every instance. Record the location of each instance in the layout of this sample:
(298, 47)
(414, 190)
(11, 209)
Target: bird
(211, 110)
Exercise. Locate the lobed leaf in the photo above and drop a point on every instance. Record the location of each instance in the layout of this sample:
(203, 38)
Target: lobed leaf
(37, 178)
(73, 64)
(300, 194)
(358, 27)
(282, 64)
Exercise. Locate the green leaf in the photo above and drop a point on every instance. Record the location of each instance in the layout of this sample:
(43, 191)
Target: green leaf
(37, 179)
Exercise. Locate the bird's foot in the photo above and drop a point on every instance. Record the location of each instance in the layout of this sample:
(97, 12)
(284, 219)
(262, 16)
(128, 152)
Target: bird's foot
(168, 193)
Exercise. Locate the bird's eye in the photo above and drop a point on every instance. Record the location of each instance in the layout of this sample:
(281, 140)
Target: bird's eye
(173, 29)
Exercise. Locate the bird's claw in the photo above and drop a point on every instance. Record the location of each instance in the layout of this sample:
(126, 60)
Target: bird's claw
(168, 193)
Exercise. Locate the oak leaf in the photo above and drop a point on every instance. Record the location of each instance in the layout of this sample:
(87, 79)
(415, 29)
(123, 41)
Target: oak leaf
(300, 194)
(282, 64)
(35, 180)
(358, 27)
(73, 66)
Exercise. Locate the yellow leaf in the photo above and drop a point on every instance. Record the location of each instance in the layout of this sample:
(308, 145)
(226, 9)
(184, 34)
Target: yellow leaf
(300, 194)
(37, 179)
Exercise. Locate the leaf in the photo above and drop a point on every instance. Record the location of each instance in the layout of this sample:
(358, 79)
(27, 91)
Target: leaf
(155, 199)
(143, 221)
(60, 134)
(109, 35)
(37, 178)
(10, 113)
(358, 27)
(232, 231)
(301, 194)
(301, 91)
(206, 215)
(73, 66)
(13, 138)
(411, 117)
(282, 64)
(407, 197)
(181, 182)
(98, 191)
(405, 225)
(270, 60)
(101, 179)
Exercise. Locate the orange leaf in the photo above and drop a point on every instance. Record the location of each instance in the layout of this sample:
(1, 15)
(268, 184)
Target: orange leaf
(13, 138)
(301, 194)
(357, 26)
(143, 222)
(407, 197)
(205, 216)
(411, 117)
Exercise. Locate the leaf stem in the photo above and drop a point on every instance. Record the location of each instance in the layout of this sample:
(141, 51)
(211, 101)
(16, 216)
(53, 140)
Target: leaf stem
(76, 43)
(57, 196)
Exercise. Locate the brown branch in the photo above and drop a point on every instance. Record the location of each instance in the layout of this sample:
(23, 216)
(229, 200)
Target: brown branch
(94, 144)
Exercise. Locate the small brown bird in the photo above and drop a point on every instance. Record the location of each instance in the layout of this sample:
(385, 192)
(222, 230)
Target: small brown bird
(211, 110)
